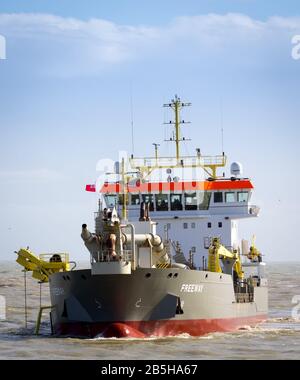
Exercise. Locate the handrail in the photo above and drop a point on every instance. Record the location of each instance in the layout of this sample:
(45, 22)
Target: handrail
(104, 256)
(192, 161)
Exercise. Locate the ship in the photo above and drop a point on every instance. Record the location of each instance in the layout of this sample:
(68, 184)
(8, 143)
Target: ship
(165, 255)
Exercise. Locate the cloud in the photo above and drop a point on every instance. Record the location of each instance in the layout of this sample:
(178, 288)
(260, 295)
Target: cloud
(69, 46)
(74, 42)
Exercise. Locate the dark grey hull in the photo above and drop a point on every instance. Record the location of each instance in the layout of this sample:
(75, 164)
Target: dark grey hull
(150, 302)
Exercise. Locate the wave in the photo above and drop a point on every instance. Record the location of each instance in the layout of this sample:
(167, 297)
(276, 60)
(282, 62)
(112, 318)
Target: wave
(273, 326)
(283, 319)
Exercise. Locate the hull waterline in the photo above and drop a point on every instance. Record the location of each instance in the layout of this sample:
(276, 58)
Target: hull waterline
(136, 329)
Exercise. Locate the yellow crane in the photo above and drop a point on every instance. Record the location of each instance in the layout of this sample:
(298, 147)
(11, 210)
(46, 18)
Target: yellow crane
(45, 265)
(218, 252)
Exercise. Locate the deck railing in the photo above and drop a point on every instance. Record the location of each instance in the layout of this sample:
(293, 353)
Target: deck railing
(105, 256)
(172, 162)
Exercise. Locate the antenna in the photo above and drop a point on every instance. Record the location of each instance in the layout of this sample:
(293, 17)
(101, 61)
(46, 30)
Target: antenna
(221, 120)
(222, 138)
(132, 125)
(177, 105)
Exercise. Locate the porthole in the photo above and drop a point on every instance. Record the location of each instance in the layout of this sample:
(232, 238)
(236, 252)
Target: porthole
(148, 275)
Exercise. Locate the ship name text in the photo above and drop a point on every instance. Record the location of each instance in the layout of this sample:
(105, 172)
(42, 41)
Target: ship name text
(58, 291)
(192, 288)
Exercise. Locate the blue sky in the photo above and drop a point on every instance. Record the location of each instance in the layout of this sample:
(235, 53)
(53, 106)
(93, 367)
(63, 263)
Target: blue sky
(65, 92)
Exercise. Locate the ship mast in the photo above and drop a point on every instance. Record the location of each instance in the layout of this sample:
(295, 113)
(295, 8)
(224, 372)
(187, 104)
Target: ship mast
(146, 165)
(176, 104)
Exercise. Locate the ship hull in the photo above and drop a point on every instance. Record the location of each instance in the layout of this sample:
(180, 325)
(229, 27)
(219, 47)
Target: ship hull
(150, 302)
(136, 329)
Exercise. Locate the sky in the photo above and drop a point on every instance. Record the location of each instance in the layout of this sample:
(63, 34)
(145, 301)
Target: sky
(72, 71)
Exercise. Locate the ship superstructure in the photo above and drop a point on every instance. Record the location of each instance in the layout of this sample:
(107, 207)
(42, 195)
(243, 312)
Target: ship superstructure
(190, 211)
(165, 257)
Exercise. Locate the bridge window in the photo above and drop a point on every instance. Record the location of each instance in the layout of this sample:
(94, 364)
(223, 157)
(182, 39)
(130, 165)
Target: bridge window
(204, 200)
(176, 202)
(218, 197)
(149, 198)
(161, 202)
(185, 226)
(111, 201)
(121, 199)
(220, 224)
(193, 225)
(135, 199)
(230, 197)
(209, 225)
(190, 201)
(242, 196)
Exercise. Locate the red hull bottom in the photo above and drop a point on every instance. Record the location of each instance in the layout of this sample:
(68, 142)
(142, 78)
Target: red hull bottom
(142, 329)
